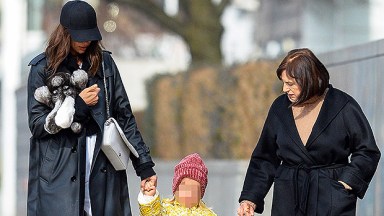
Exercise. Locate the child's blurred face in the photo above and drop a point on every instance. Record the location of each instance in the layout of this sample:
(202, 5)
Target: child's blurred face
(188, 193)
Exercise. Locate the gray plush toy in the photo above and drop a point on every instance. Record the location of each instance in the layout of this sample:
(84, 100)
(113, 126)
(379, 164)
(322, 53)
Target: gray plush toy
(59, 94)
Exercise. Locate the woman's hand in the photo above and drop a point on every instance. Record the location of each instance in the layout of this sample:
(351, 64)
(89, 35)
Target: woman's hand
(346, 186)
(90, 95)
(149, 189)
(246, 208)
(148, 185)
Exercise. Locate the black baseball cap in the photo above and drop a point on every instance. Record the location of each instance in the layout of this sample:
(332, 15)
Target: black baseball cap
(79, 18)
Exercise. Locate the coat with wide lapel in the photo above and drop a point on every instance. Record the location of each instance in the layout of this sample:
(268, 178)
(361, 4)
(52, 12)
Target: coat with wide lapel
(306, 176)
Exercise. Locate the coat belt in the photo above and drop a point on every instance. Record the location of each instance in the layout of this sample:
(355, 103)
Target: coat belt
(301, 194)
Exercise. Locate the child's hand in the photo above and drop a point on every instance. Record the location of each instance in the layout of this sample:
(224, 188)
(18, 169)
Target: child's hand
(149, 189)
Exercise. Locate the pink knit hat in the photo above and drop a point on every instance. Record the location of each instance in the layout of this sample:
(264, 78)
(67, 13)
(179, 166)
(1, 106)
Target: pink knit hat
(193, 167)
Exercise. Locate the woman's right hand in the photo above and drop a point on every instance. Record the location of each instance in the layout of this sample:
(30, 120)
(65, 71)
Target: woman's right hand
(148, 186)
(90, 95)
(246, 208)
(149, 189)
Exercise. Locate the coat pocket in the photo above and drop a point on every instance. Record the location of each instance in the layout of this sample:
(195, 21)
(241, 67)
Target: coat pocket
(343, 200)
(50, 150)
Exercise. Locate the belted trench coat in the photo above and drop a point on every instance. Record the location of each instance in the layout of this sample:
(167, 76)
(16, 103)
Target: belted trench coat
(57, 161)
(341, 147)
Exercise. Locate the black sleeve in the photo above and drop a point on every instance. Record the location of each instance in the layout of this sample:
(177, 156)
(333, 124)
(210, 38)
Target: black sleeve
(122, 112)
(37, 112)
(365, 153)
(262, 167)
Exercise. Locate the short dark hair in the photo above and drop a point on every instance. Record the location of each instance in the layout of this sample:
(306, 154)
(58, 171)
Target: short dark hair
(309, 73)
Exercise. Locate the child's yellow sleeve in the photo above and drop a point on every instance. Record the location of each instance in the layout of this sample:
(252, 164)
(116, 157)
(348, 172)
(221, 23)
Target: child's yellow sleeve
(151, 208)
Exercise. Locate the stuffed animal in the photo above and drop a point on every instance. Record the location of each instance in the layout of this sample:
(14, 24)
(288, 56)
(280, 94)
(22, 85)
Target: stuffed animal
(59, 94)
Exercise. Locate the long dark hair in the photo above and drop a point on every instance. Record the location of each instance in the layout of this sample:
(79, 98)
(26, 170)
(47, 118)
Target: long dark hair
(309, 73)
(59, 46)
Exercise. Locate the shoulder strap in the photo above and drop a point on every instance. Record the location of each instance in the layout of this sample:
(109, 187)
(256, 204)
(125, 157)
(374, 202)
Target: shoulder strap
(106, 51)
(105, 88)
(37, 59)
(105, 59)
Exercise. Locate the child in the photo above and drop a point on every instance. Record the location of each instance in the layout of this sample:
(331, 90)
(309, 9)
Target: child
(189, 182)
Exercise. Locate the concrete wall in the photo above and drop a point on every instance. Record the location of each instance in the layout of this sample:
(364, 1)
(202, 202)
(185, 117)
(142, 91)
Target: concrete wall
(359, 71)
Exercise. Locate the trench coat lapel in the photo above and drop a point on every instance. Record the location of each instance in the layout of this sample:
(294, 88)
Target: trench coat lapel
(98, 110)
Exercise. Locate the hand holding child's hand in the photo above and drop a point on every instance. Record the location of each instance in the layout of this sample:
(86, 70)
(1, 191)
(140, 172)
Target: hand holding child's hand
(149, 189)
(148, 185)
(246, 208)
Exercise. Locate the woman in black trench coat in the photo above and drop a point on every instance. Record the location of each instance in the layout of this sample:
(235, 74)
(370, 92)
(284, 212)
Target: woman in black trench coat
(316, 147)
(69, 175)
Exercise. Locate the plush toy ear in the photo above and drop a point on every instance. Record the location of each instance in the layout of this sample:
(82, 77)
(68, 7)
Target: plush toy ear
(79, 79)
(50, 125)
(44, 96)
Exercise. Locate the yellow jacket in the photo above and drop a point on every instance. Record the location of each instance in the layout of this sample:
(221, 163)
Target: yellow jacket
(168, 207)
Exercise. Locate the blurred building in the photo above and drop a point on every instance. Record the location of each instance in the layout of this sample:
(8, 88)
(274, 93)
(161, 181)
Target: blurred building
(322, 26)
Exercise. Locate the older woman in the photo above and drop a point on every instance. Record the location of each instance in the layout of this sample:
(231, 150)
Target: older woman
(316, 146)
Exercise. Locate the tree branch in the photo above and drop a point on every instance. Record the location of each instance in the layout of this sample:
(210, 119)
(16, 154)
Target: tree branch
(155, 13)
(223, 4)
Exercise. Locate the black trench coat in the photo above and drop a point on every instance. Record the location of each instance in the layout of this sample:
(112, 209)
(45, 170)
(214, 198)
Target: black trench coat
(57, 170)
(306, 176)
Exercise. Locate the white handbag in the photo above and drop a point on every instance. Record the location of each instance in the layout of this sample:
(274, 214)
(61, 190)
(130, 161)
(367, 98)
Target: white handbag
(115, 144)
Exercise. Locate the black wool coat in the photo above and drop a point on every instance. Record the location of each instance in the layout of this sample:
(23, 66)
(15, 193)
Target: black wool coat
(341, 147)
(57, 161)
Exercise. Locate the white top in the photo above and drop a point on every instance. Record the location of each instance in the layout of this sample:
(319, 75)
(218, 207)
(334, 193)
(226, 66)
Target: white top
(90, 148)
